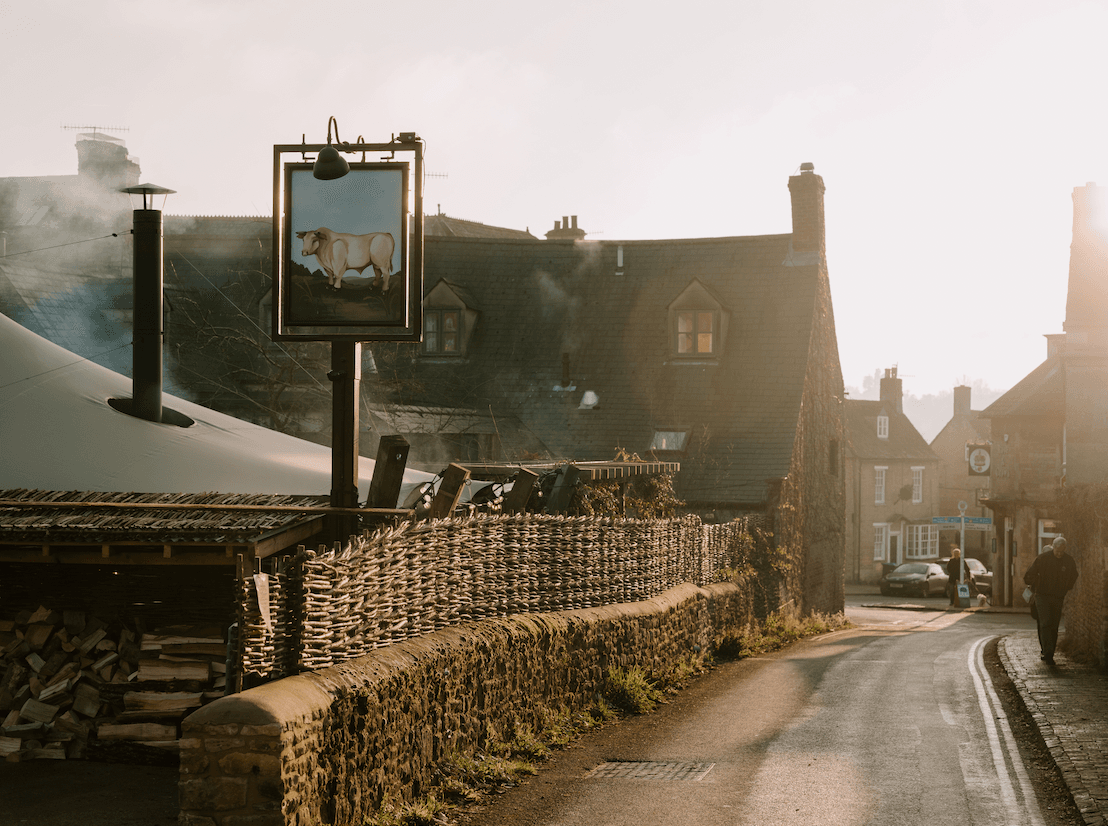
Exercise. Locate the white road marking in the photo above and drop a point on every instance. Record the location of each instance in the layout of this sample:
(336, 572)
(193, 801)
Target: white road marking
(997, 728)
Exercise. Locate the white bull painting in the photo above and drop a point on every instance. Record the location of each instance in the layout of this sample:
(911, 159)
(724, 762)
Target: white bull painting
(338, 252)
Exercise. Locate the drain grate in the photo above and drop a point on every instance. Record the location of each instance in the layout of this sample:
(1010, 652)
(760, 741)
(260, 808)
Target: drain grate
(652, 770)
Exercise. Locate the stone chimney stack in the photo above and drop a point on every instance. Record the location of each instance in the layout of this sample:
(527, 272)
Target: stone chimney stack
(103, 158)
(807, 200)
(563, 231)
(1087, 294)
(892, 390)
(962, 400)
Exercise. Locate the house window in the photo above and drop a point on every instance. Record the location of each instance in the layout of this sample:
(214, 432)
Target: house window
(880, 542)
(882, 427)
(879, 485)
(917, 485)
(1048, 530)
(696, 332)
(923, 541)
(442, 332)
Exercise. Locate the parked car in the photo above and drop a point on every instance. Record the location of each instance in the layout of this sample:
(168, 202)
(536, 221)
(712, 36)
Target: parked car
(980, 577)
(922, 578)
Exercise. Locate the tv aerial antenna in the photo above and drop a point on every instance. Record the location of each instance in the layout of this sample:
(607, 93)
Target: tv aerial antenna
(104, 129)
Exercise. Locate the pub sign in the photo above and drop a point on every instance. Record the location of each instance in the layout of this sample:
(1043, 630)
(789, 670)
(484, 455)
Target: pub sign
(348, 265)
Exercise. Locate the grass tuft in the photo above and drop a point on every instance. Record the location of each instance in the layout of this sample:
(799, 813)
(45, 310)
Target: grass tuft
(630, 691)
(778, 631)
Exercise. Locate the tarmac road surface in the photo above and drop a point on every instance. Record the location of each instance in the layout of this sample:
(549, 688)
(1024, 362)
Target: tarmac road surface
(877, 725)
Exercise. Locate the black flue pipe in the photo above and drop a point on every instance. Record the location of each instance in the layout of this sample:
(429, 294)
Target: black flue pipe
(149, 330)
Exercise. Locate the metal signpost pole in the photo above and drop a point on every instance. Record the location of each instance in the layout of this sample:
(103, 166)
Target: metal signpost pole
(345, 376)
(963, 589)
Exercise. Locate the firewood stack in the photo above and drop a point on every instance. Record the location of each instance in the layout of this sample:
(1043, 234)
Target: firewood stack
(73, 686)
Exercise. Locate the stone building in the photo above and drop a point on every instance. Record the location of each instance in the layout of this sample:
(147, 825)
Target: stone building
(892, 486)
(961, 481)
(1050, 443)
(718, 353)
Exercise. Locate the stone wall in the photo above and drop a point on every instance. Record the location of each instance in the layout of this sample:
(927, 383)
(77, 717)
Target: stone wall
(1086, 608)
(330, 746)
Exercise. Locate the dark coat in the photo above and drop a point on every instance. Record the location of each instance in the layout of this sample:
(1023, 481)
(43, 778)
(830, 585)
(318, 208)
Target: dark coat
(1051, 575)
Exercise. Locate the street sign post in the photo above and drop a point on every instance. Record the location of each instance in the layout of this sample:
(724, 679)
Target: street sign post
(964, 523)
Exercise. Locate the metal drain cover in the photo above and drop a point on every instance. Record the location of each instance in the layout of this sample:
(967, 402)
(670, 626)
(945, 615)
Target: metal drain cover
(652, 770)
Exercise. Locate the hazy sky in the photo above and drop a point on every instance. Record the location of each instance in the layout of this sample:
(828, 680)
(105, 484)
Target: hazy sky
(950, 135)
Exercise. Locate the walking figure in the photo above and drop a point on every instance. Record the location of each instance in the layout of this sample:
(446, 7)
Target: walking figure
(1050, 577)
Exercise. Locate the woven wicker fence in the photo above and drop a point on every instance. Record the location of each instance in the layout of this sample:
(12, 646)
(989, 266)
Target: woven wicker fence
(331, 605)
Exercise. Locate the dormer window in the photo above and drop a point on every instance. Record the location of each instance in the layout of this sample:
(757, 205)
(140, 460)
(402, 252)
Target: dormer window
(448, 321)
(882, 427)
(696, 332)
(442, 332)
(697, 324)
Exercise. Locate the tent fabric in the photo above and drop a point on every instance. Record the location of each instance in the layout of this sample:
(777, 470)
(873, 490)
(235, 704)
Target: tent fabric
(58, 432)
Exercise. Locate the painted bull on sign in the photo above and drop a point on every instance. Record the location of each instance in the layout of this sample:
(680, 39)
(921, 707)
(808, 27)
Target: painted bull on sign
(338, 252)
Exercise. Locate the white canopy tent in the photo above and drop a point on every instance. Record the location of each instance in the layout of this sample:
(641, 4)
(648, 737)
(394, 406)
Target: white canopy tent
(58, 432)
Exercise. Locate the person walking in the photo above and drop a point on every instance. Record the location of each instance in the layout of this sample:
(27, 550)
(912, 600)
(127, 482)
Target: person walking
(1050, 577)
(954, 574)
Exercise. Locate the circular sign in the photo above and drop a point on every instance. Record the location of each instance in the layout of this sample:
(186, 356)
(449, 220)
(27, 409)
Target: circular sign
(962, 507)
(979, 460)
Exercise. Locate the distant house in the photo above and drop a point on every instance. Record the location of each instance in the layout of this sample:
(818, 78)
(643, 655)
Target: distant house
(892, 486)
(1050, 443)
(718, 353)
(964, 450)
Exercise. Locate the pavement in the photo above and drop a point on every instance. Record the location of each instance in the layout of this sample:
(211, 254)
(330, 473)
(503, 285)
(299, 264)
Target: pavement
(1069, 703)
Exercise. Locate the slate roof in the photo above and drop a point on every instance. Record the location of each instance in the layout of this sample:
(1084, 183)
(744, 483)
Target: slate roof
(538, 300)
(1040, 393)
(444, 225)
(78, 310)
(975, 422)
(903, 444)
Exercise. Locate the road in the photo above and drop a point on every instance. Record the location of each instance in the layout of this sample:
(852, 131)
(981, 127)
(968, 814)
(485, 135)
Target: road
(898, 720)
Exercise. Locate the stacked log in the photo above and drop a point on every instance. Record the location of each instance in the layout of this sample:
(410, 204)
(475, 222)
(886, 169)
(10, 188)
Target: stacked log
(73, 686)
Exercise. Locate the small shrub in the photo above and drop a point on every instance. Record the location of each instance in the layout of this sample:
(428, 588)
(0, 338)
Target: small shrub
(527, 746)
(562, 728)
(682, 674)
(483, 772)
(631, 691)
(601, 712)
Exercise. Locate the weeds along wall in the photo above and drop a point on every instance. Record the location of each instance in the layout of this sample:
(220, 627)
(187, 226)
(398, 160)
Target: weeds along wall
(332, 745)
(331, 605)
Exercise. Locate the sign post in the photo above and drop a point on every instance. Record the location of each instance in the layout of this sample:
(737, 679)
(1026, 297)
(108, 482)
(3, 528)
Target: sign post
(348, 268)
(963, 589)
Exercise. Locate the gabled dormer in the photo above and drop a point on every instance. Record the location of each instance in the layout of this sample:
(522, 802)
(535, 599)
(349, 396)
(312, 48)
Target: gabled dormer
(697, 325)
(449, 318)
